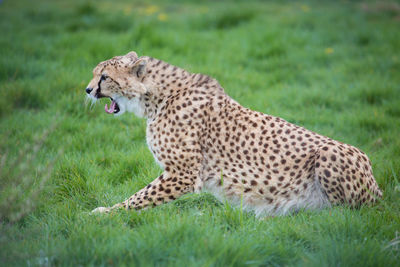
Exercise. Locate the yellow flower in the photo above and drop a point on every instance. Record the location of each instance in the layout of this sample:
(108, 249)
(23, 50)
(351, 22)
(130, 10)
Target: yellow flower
(329, 50)
(151, 10)
(127, 10)
(162, 17)
(203, 9)
(305, 8)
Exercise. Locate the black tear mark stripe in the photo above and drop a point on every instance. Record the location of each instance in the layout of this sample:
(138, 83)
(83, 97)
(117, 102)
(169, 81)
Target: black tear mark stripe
(101, 76)
(98, 85)
(98, 92)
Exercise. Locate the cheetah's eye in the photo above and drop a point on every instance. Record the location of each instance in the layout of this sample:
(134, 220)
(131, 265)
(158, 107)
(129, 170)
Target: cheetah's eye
(103, 77)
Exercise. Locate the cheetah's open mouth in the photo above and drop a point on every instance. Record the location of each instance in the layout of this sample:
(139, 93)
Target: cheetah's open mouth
(114, 108)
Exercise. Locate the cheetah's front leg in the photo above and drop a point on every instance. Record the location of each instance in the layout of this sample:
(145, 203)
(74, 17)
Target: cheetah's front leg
(165, 188)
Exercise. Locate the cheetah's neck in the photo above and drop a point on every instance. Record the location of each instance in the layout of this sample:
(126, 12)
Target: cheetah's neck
(164, 81)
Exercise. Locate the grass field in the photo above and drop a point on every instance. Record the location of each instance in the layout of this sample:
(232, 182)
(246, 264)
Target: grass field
(333, 67)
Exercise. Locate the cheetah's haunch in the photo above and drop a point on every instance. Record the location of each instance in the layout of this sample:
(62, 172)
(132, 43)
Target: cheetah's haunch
(197, 134)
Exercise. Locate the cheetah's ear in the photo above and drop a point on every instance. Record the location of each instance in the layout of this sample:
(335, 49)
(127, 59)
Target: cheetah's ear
(139, 67)
(132, 55)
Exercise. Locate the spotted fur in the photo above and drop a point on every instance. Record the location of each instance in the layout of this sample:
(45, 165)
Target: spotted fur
(206, 141)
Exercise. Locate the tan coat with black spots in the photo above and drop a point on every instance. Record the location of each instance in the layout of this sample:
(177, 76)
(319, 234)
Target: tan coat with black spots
(206, 141)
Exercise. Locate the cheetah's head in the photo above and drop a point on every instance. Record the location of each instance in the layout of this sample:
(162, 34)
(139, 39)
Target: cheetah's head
(119, 79)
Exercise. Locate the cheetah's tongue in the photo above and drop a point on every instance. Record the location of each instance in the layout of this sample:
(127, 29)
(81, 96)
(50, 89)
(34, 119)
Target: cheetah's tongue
(111, 109)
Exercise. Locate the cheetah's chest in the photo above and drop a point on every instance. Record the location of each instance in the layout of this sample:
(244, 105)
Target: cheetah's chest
(154, 144)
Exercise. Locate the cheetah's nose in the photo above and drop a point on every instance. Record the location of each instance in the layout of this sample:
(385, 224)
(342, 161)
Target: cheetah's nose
(88, 90)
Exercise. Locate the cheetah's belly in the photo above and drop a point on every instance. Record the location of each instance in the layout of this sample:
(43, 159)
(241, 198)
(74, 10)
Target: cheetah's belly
(261, 201)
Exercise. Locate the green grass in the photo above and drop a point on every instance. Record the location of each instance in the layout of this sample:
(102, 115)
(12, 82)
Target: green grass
(333, 67)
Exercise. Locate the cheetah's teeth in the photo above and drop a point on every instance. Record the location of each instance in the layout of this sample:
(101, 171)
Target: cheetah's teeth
(111, 109)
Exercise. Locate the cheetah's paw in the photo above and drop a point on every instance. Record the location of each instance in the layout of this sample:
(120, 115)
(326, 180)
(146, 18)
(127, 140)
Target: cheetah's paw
(101, 210)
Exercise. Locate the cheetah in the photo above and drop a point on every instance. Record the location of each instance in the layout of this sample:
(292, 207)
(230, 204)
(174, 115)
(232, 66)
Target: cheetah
(206, 141)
